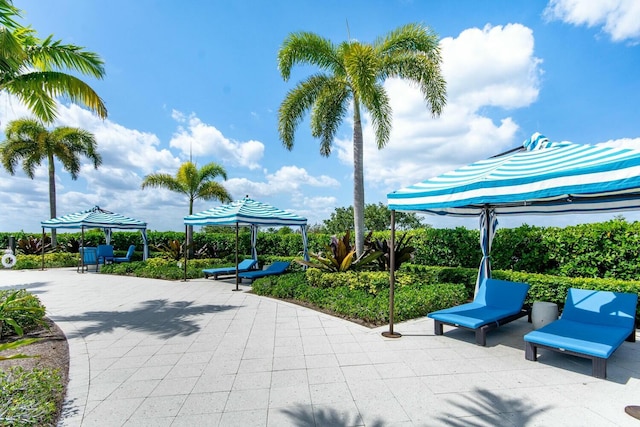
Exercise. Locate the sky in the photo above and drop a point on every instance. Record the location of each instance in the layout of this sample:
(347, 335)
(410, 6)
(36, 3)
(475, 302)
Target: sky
(199, 78)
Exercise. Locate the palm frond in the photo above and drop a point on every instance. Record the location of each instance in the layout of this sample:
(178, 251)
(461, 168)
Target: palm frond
(328, 113)
(296, 103)
(211, 171)
(52, 55)
(305, 48)
(212, 190)
(162, 180)
(411, 37)
(7, 13)
(377, 102)
(38, 90)
(11, 53)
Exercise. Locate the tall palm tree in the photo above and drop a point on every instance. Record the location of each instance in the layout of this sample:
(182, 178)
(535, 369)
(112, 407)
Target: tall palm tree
(194, 183)
(34, 70)
(352, 75)
(30, 142)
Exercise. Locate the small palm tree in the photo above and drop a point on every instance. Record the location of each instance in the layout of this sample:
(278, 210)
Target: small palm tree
(352, 74)
(194, 183)
(30, 142)
(33, 69)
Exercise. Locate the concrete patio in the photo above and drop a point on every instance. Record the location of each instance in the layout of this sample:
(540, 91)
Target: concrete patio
(157, 353)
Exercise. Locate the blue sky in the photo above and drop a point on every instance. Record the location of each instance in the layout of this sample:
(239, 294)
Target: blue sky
(202, 76)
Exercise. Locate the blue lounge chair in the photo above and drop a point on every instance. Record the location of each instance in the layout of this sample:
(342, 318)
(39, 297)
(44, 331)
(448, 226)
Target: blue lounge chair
(496, 303)
(88, 256)
(127, 257)
(277, 267)
(593, 325)
(105, 254)
(243, 266)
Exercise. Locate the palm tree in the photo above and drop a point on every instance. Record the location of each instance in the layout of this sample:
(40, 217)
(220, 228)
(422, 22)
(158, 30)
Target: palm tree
(194, 183)
(352, 74)
(29, 142)
(33, 69)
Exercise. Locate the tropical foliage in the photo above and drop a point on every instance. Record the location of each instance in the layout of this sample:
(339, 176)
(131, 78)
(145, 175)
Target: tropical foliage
(34, 70)
(339, 256)
(352, 75)
(402, 251)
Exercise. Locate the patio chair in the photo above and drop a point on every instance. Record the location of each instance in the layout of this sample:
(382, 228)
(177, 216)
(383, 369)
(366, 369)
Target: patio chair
(127, 257)
(88, 256)
(105, 254)
(276, 268)
(497, 302)
(593, 325)
(243, 266)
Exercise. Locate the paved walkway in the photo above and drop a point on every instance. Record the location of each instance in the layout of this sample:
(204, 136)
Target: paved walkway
(156, 353)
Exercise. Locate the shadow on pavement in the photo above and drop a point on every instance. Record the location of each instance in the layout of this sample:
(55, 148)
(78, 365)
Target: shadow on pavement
(303, 416)
(493, 410)
(158, 317)
(28, 286)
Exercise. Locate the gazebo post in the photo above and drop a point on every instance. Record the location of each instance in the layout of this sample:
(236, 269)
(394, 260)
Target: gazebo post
(392, 277)
(82, 246)
(237, 277)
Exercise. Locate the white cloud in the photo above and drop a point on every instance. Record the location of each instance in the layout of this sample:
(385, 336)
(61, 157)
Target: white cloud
(631, 143)
(618, 18)
(202, 139)
(286, 180)
(489, 67)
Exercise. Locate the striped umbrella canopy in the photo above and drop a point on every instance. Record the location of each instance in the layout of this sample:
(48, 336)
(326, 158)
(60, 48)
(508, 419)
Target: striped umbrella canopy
(542, 177)
(99, 218)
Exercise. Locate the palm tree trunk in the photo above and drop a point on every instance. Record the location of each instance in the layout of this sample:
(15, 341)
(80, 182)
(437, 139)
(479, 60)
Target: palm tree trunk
(358, 179)
(52, 199)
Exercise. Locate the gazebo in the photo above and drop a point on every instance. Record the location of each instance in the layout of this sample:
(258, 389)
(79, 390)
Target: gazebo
(98, 218)
(539, 178)
(253, 214)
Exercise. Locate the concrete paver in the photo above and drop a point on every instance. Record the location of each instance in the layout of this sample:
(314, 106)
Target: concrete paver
(164, 353)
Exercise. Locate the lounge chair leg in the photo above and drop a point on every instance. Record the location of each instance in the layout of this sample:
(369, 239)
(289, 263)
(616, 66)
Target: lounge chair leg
(437, 327)
(599, 367)
(530, 351)
(632, 336)
(481, 336)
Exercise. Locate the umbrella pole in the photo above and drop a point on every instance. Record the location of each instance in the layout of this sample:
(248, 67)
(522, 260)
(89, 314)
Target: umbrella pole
(237, 277)
(392, 277)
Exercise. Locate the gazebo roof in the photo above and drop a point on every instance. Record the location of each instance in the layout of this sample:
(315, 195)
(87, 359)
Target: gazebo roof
(95, 218)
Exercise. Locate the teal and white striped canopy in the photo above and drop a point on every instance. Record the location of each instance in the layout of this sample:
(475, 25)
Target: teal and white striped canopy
(245, 212)
(543, 177)
(95, 218)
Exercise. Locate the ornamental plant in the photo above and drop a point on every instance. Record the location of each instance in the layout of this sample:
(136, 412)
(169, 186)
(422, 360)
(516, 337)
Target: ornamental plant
(340, 256)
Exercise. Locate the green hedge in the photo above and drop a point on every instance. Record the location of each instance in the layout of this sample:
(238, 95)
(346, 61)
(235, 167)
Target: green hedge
(606, 250)
(413, 299)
